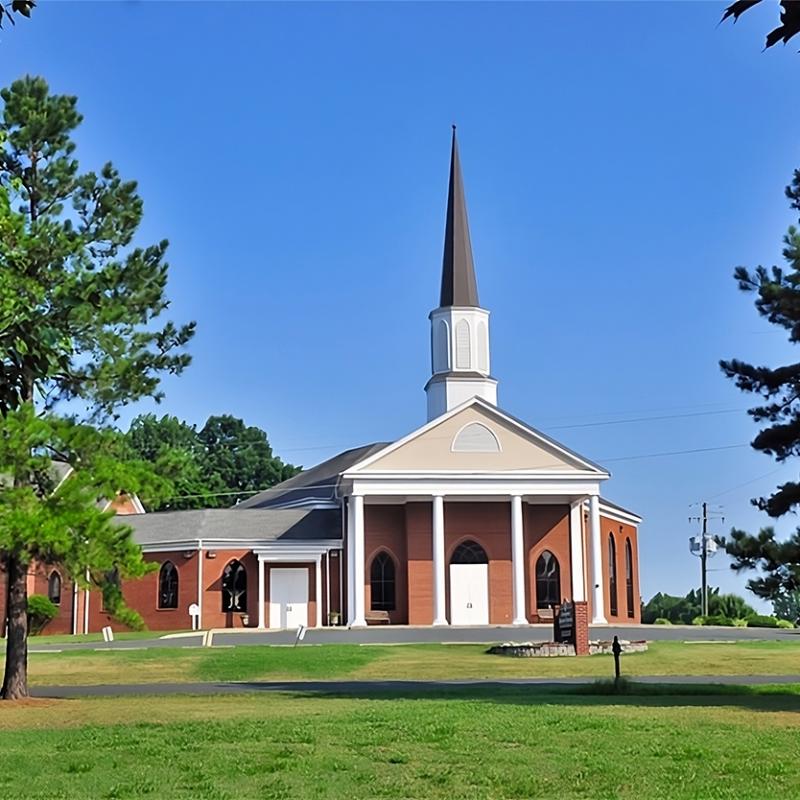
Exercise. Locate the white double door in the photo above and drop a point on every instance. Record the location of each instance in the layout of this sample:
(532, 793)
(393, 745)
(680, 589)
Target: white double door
(288, 597)
(469, 594)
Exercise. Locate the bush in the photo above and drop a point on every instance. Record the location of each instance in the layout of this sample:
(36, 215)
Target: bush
(714, 619)
(784, 623)
(662, 621)
(739, 623)
(761, 621)
(40, 611)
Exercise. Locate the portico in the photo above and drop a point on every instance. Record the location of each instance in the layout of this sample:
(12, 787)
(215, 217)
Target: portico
(557, 483)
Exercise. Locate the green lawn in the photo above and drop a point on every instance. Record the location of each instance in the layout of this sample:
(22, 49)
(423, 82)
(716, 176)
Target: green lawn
(515, 743)
(70, 638)
(320, 662)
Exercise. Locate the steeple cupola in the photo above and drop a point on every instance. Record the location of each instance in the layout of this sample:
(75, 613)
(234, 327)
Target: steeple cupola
(459, 327)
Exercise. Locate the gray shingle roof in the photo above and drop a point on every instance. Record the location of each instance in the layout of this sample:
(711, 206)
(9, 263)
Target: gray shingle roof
(287, 524)
(317, 483)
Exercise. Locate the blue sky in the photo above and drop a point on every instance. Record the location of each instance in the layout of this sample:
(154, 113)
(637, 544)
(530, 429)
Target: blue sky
(620, 160)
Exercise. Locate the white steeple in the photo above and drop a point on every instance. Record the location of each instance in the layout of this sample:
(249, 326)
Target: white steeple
(459, 327)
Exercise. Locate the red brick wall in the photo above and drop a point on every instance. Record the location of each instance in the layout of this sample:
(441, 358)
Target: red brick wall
(419, 523)
(546, 528)
(621, 532)
(142, 596)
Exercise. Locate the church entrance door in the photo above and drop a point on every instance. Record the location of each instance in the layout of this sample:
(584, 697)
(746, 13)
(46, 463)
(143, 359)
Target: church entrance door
(288, 598)
(469, 585)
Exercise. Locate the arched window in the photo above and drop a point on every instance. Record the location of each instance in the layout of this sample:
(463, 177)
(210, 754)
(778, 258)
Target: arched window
(234, 587)
(382, 583)
(476, 438)
(612, 575)
(469, 553)
(441, 360)
(54, 588)
(463, 357)
(168, 586)
(629, 576)
(548, 581)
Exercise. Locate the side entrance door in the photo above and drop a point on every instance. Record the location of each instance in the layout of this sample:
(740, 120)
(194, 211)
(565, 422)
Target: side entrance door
(288, 597)
(469, 594)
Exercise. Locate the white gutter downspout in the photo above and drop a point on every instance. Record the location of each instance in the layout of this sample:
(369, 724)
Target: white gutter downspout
(86, 606)
(200, 583)
(327, 587)
(74, 607)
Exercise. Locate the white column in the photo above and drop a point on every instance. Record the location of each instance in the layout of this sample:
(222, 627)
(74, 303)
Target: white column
(351, 606)
(576, 551)
(261, 617)
(598, 607)
(358, 561)
(518, 561)
(439, 613)
(318, 577)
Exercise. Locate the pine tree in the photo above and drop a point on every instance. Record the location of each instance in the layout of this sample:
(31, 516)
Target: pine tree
(78, 310)
(778, 299)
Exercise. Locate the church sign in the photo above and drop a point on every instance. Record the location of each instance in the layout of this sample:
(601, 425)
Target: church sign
(564, 623)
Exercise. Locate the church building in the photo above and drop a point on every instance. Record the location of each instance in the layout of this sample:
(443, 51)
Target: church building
(474, 518)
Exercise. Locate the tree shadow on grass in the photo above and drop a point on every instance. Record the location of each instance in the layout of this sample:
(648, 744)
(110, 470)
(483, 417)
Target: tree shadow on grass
(768, 697)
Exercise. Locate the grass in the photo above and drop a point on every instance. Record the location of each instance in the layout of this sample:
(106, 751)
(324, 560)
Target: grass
(69, 638)
(320, 662)
(511, 743)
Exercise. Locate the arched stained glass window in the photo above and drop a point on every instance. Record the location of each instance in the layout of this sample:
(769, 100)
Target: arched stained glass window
(234, 587)
(629, 577)
(548, 581)
(382, 582)
(469, 553)
(612, 575)
(54, 588)
(168, 586)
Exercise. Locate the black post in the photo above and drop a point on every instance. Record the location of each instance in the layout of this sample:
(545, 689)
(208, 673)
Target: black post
(616, 649)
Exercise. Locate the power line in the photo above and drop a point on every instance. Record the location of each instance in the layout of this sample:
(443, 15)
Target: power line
(675, 452)
(334, 485)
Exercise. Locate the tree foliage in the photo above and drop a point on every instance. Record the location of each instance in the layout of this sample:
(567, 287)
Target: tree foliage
(214, 467)
(683, 610)
(79, 309)
(789, 19)
(8, 11)
(778, 300)
(78, 300)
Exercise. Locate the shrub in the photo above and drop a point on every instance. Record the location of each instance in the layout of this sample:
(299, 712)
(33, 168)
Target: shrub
(784, 623)
(40, 611)
(761, 621)
(719, 619)
(713, 619)
(739, 622)
(662, 621)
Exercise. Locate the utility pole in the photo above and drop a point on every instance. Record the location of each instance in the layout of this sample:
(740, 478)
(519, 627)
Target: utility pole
(705, 547)
(704, 563)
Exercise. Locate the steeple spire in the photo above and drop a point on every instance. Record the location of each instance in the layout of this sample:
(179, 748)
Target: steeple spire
(459, 326)
(459, 287)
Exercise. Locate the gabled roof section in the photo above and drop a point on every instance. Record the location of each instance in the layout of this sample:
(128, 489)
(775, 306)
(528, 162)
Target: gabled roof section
(311, 486)
(459, 287)
(521, 447)
(220, 524)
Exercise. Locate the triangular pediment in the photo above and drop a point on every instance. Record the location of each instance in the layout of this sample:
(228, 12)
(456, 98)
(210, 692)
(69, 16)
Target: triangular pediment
(477, 437)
